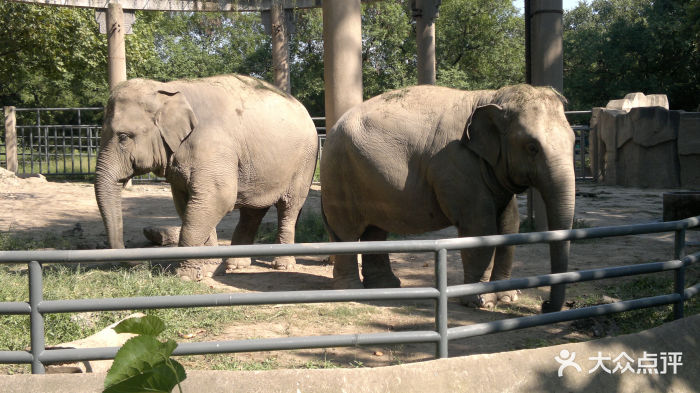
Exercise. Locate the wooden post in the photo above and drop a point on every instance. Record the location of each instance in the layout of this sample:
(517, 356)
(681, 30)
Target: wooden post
(11, 138)
(425, 13)
(116, 54)
(280, 46)
(546, 63)
(342, 57)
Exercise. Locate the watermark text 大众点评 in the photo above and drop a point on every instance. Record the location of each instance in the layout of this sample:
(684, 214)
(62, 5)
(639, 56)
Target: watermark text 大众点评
(648, 363)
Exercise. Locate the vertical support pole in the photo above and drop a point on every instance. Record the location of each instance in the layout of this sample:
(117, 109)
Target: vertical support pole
(678, 252)
(280, 46)
(36, 319)
(116, 53)
(546, 63)
(441, 304)
(11, 138)
(342, 57)
(425, 13)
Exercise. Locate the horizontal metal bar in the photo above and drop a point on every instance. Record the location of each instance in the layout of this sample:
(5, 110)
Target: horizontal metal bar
(691, 291)
(505, 325)
(578, 112)
(14, 308)
(15, 357)
(236, 299)
(274, 344)
(561, 278)
(178, 253)
(267, 344)
(59, 109)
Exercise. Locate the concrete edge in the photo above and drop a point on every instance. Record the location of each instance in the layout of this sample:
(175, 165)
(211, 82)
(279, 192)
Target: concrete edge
(517, 371)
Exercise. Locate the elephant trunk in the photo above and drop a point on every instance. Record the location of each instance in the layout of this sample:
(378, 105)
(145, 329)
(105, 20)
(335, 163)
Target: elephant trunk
(559, 197)
(108, 187)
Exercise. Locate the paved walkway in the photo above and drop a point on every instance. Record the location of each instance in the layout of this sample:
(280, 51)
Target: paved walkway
(533, 370)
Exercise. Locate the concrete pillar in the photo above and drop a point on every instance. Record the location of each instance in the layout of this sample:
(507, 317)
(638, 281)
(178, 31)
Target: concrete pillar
(425, 13)
(342, 57)
(280, 47)
(546, 66)
(546, 43)
(116, 54)
(11, 138)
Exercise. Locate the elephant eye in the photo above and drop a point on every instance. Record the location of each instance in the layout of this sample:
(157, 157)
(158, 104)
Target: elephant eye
(123, 137)
(532, 148)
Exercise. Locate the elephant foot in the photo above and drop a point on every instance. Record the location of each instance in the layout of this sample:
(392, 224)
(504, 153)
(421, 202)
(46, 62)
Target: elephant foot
(384, 281)
(233, 264)
(548, 307)
(284, 263)
(507, 296)
(198, 270)
(486, 300)
(347, 283)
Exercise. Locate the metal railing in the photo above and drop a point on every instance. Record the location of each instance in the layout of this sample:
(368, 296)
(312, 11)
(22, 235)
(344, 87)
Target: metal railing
(36, 307)
(71, 150)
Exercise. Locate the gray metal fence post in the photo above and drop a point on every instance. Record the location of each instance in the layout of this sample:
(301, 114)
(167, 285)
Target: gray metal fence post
(679, 250)
(441, 303)
(36, 319)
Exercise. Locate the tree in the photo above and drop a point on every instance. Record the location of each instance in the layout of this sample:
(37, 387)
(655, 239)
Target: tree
(480, 44)
(50, 56)
(614, 47)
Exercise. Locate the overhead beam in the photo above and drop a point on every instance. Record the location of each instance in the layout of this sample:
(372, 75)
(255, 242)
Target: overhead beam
(180, 5)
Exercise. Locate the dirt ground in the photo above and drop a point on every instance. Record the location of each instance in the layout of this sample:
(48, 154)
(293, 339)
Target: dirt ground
(33, 208)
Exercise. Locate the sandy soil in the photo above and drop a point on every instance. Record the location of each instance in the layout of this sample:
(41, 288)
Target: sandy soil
(33, 208)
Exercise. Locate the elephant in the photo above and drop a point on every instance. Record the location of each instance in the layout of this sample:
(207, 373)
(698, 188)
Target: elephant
(223, 143)
(425, 157)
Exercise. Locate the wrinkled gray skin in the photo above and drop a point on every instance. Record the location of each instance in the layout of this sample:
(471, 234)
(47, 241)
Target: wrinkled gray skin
(424, 158)
(223, 143)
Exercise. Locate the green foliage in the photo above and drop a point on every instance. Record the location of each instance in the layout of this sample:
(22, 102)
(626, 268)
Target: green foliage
(50, 56)
(309, 229)
(480, 44)
(614, 47)
(143, 363)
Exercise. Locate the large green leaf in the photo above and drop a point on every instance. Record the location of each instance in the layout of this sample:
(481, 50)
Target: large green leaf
(139, 355)
(149, 325)
(161, 378)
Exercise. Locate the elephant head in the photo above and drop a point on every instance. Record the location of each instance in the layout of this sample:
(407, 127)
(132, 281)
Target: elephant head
(143, 127)
(525, 137)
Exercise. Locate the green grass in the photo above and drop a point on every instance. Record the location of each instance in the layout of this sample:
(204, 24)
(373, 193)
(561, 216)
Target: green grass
(309, 229)
(643, 286)
(11, 242)
(317, 172)
(62, 282)
(55, 163)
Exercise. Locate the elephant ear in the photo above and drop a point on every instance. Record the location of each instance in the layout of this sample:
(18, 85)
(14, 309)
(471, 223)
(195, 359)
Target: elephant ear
(175, 118)
(482, 133)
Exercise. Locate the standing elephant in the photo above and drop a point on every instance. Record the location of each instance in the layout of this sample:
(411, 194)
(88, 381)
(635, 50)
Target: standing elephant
(424, 158)
(222, 143)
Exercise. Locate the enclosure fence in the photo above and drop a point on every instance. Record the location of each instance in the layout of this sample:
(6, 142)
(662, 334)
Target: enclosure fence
(36, 307)
(70, 150)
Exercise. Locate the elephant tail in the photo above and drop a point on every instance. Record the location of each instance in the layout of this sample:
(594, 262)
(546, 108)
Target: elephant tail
(332, 235)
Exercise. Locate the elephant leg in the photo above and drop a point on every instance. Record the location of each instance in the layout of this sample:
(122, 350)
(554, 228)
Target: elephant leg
(200, 217)
(245, 234)
(346, 274)
(478, 264)
(503, 261)
(287, 215)
(376, 268)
